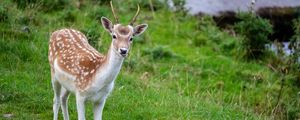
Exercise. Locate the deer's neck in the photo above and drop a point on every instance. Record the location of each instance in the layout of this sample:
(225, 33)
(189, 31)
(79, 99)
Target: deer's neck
(113, 58)
(109, 70)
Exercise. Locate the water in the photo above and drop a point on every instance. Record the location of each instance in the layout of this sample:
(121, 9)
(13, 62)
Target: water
(285, 47)
(217, 7)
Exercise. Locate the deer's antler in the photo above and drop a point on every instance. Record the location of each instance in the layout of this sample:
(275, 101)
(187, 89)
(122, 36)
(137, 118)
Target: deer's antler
(114, 13)
(135, 16)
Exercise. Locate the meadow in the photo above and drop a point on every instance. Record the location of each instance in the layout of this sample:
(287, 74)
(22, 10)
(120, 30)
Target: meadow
(182, 67)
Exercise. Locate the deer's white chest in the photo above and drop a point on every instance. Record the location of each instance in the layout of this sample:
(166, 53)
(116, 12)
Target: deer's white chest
(104, 82)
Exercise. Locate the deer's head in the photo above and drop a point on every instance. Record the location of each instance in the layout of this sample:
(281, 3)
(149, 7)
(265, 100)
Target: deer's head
(122, 35)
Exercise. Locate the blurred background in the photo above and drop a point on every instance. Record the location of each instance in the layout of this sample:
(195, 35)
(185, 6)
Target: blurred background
(198, 59)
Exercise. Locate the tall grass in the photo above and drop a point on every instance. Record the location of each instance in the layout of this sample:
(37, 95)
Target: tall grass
(181, 68)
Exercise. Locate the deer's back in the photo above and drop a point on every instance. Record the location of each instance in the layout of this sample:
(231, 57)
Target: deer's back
(70, 50)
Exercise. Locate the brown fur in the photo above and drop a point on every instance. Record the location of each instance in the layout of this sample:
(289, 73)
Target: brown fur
(75, 56)
(123, 30)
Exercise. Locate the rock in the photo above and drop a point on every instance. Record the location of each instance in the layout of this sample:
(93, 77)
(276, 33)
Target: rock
(219, 7)
(8, 115)
(26, 29)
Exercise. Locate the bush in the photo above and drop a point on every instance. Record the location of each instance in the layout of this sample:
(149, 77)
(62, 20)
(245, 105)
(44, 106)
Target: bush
(288, 68)
(255, 31)
(295, 42)
(294, 63)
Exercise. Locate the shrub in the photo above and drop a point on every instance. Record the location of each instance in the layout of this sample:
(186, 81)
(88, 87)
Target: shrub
(255, 31)
(288, 68)
(289, 65)
(295, 41)
(294, 62)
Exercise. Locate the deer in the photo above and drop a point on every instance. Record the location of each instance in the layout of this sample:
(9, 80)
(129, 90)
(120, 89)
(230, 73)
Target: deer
(78, 68)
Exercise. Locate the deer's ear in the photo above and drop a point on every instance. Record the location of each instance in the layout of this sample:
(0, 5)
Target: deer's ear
(139, 29)
(107, 24)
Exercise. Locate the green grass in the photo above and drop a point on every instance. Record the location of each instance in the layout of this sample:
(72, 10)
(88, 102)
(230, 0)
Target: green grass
(181, 68)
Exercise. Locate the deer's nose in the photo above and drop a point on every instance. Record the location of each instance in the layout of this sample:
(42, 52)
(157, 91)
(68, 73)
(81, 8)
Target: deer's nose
(123, 50)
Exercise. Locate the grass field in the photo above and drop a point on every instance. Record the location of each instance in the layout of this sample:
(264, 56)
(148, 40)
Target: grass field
(182, 67)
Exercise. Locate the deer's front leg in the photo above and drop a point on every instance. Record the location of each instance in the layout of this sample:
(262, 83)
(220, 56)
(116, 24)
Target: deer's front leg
(80, 101)
(98, 108)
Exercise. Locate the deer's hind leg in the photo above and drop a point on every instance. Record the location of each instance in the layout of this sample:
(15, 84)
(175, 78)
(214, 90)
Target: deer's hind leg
(56, 100)
(64, 102)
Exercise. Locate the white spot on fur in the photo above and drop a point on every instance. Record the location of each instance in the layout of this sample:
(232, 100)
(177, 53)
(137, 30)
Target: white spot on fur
(92, 71)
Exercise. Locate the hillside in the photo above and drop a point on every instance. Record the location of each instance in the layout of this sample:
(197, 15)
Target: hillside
(182, 67)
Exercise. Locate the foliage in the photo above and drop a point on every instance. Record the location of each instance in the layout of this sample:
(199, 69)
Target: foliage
(288, 71)
(45, 5)
(214, 36)
(287, 66)
(294, 58)
(179, 5)
(255, 31)
(295, 41)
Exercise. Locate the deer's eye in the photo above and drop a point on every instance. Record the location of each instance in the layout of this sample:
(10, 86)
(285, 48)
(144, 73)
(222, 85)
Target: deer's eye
(114, 36)
(130, 39)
